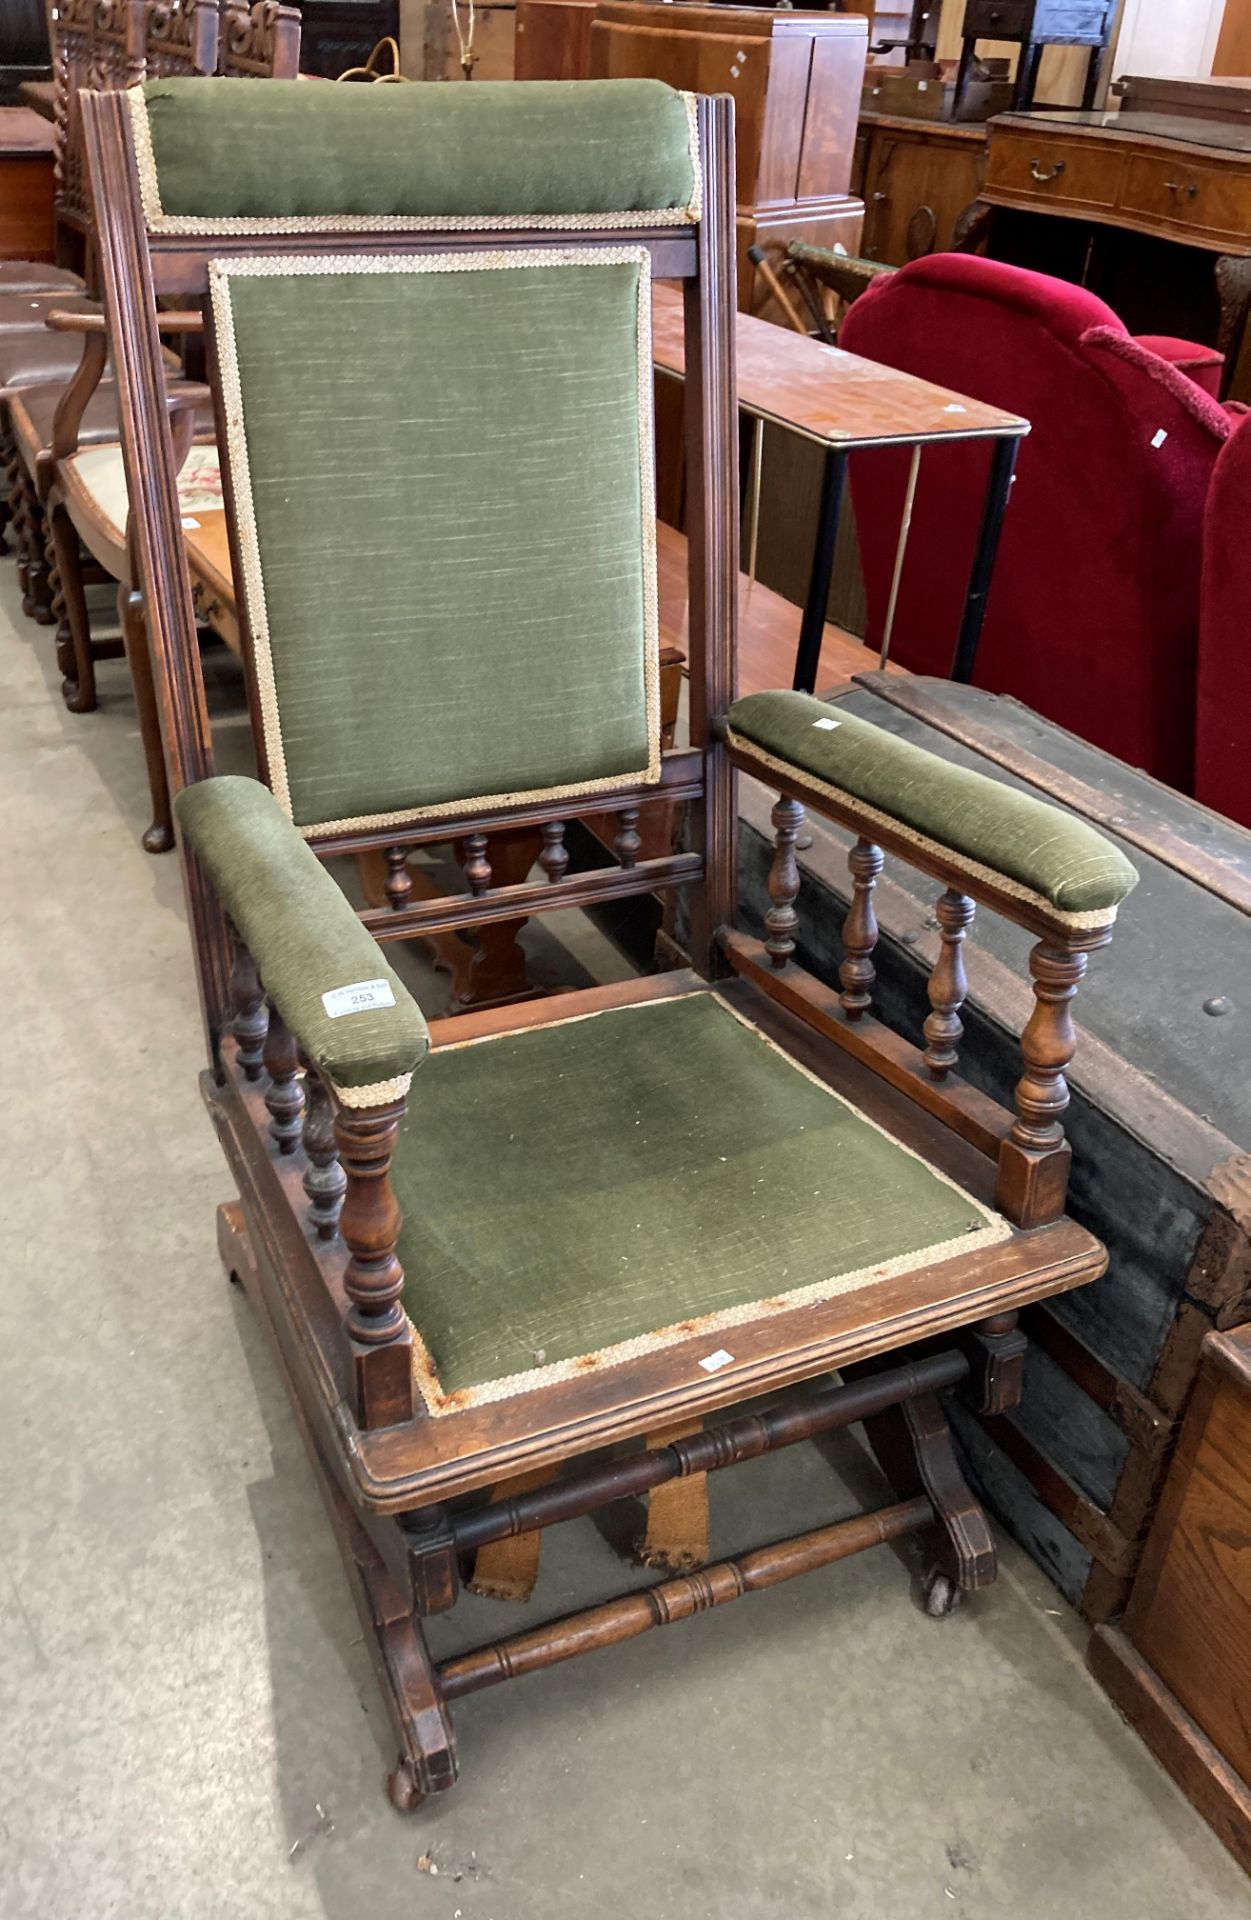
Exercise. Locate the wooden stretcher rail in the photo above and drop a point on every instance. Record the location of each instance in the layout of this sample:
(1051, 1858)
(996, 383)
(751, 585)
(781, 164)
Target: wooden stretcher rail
(745, 1438)
(681, 778)
(972, 1114)
(517, 903)
(180, 262)
(634, 1613)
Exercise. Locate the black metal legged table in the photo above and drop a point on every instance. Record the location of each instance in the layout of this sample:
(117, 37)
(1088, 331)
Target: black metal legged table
(847, 404)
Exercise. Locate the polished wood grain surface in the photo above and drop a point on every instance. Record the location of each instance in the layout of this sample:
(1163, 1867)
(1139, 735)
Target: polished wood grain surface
(26, 186)
(1170, 175)
(830, 395)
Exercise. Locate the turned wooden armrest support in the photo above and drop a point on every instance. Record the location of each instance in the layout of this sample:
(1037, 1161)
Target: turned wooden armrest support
(336, 1009)
(984, 841)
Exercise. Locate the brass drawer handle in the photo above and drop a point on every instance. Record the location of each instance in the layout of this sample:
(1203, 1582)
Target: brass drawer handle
(1182, 186)
(1039, 172)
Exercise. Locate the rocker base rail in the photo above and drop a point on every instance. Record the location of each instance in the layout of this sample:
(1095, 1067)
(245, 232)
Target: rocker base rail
(744, 1438)
(714, 1586)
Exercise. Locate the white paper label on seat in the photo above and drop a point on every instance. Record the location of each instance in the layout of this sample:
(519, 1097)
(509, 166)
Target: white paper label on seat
(190, 525)
(362, 998)
(1159, 436)
(715, 1361)
(826, 726)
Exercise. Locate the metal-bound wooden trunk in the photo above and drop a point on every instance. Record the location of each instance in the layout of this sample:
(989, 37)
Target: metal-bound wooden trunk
(1160, 1120)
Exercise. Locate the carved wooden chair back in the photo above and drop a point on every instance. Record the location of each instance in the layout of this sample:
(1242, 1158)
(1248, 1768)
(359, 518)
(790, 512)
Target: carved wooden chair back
(260, 40)
(182, 37)
(73, 38)
(117, 50)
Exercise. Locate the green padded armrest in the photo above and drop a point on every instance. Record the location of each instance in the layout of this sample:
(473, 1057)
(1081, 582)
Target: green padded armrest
(1020, 840)
(305, 938)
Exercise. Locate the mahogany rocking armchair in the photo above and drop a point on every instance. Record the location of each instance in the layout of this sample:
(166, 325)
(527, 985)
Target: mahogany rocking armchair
(757, 1183)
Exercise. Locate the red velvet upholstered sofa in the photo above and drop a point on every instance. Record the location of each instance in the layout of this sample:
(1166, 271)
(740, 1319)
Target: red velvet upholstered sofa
(1093, 615)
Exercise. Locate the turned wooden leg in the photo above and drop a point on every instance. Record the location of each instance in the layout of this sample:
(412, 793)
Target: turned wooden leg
(39, 576)
(75, 658)
(159, 837)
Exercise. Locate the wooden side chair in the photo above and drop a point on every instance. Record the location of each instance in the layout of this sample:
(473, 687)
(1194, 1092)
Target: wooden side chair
(517, 1243)
(79, 483)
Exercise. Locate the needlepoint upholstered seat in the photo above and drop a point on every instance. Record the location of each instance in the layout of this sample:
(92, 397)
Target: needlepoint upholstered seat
(492, 1246)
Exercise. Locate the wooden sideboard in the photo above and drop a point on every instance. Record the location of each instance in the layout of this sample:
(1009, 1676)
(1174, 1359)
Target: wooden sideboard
(916, 177)
(554, 39)
(1180, 1666)
(795, 79)
(1184, 179)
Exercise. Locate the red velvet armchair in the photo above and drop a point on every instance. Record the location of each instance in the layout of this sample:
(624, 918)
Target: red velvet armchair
(1093, 613)
(1223, 721)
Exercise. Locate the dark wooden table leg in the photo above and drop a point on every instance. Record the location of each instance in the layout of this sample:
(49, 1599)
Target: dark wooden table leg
(812, 627)
(998, 488)
(1233, 287)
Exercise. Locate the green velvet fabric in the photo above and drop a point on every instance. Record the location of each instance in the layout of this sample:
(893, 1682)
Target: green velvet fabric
(1023, 839)
(573, 1187)
(492, 150)
(447, 487)
(301, 930)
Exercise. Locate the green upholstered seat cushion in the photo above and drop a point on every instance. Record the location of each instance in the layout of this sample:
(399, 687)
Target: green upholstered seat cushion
(448, 480)
(574, 1190)
(1025, 840)
(302, 932)
(495, 150)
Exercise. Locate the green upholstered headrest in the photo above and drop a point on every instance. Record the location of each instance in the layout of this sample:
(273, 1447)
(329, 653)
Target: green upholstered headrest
(496, 153)
(1035, 845)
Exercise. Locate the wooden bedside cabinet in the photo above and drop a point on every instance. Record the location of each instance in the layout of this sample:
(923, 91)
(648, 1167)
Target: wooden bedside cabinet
(1180, 1666)
(1033, 25)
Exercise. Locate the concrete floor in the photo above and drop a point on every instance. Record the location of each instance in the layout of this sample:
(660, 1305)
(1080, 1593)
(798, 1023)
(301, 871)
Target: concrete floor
(189, 1725)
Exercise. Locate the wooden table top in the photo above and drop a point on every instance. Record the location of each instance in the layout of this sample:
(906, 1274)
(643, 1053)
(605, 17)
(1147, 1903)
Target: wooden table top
(827, 395)
(768, 625)
(23, 133)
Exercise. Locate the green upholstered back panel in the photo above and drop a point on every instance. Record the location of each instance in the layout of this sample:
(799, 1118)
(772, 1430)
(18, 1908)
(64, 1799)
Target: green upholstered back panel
(213, 150)
(442, 476)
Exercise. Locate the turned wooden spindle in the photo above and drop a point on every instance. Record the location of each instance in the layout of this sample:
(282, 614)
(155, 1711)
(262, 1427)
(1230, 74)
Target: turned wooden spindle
(399, 881)
(251, 1018)
(555, 855)
(857, 972)
(284, 1096)
(628, 841)
(370, 1221)
(1034, 1159)
(477, 866)
(948, 986)
(382, 1350)
(781, 919)
(324, 1181)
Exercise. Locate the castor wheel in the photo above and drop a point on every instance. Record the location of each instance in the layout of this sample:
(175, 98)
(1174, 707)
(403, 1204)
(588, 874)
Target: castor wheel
(75, 699)
(158, 838)
(402, 1790)
(941, 1595)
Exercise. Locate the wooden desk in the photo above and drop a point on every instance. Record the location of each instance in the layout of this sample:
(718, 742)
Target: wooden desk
(26, 186)
(845, 403)
(1173, 177)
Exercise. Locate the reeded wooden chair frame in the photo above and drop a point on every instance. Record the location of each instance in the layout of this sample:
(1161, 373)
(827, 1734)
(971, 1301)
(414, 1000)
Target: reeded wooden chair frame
(313, 1233)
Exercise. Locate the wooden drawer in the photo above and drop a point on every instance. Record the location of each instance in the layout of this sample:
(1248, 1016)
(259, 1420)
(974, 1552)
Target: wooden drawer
(1213, 203)
(1068, 172)
(995, 19)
